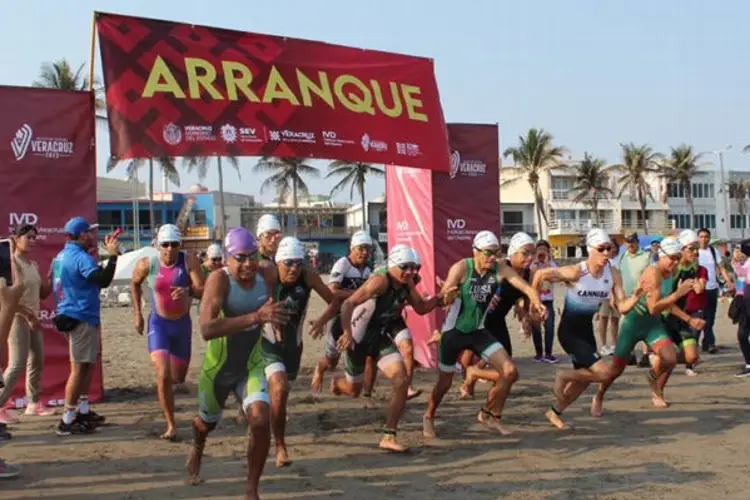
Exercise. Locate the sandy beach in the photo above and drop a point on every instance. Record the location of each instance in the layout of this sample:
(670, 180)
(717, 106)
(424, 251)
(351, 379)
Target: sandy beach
(696, 449)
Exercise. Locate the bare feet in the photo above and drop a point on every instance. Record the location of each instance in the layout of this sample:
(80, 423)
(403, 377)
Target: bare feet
(555, 420)
(492, 422)
(251, 494)
(282, 457)
(658, 401)
(389, 443)
(194, 468)
(334, 387)
(467, 389)
(413, 393)
(597, 404)
(169, 435)
(317, 380)
(428, 427)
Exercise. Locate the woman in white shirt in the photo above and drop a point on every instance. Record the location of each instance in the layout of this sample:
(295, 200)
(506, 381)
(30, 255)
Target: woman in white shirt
(542, 260)
(26, 339)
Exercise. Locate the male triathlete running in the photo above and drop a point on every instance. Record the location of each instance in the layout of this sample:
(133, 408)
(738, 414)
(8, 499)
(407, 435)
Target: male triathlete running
(174, 276)
(477, 280)
(507, 296)
(214, 259)
(282, 358)
(347, 275)
(589, 284)
(236, 303)
(367, 317)
(269, 235)
(644, 324)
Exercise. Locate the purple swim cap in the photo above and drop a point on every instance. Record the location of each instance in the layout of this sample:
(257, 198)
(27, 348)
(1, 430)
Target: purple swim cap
(239, 240)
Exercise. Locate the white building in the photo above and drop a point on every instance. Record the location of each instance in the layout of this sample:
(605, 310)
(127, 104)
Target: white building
(714, 206)
(116, 189)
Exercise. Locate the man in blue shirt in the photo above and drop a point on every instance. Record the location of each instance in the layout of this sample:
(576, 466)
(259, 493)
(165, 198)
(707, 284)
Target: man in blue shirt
(76, 281)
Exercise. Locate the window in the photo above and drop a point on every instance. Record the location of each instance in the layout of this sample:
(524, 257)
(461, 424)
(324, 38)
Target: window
(513, 217)
(682, 221)
(109, 218)
(144, 217)
(199, 216)
(705, 220)
(737, 221)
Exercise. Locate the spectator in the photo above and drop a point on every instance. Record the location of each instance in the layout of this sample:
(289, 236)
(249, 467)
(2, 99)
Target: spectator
(26, 339)
(542, 260)
(608, 314)
(76, 281)
(709, 258)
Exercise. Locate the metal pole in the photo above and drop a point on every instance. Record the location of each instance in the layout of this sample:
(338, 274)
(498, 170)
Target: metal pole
(724, 189)
(136, 218)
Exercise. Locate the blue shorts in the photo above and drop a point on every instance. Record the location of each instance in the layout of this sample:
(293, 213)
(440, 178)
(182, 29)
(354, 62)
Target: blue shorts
(170, 337)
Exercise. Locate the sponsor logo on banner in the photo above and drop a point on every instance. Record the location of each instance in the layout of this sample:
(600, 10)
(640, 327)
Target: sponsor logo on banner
(371, 144)
(229, 133)
(456, 230)
(467, 168)
(172, 134)
(17, 219)
(408, 149)
(199, 133)
(331, 138)
(23, 142)
(292, 136)
(250, 134)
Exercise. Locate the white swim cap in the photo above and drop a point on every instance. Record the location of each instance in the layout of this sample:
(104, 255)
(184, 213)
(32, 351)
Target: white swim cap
(484, 240)
(688, 237)
(168, 233)
(403, 255)
(518, 241)
(214, 251)
(671, 246)
(290, 248)
(267, 223)
(597, 237)
(360, 238)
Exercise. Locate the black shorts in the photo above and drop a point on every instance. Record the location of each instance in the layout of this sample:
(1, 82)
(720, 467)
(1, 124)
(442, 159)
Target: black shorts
(576, 336)
(499, 330)
(453, 342)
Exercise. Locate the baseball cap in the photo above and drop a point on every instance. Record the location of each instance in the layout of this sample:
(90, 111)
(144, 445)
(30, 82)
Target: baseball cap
(290, 248)
(268, 223)
(214, 251)
(168, 233)
(484, 240)
(632, 238)
(239, 240)
(77, 226)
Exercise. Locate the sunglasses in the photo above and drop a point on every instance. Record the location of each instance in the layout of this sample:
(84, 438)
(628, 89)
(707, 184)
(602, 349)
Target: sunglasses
(604, 248)
(170, 244)
(693, 249)
(410, 267)
(292, 262)
(527, 253)
(488, 253)
(217, 260)
(245, 257)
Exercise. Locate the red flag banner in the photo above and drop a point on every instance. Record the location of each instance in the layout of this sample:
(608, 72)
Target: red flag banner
(48, 167)
(439, 213)
(184, 90)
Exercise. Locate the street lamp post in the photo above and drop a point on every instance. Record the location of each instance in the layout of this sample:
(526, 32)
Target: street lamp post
(725, 198)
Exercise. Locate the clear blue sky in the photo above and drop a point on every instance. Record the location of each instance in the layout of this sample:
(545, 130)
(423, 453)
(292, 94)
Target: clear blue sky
(594, 73)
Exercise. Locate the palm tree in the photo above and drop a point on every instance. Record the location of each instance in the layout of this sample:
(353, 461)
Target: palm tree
(533, 157)
(200, 164)
(60, 75)
(637, 162)
(354, 174)
(680, 167)
(591, 180)
(739, 191)
(167, 167)
(286, 176)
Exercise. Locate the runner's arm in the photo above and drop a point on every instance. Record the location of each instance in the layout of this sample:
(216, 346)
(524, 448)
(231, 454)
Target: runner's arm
(453, 281)
(197, 280)
(140, 273)
(316, 283)
(211, 324)
(678, 313)
(570, 274)
(338, 273)
(270, 275)
(622, 302)
(423, 305)
(511, 276)
(654, 301)
(374, 286)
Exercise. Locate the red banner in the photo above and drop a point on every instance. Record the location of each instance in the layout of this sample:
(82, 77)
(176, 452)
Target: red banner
(439, 214)
(48, 167)
(184, 90)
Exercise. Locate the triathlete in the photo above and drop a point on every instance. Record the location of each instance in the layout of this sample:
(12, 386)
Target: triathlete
(236, 303)
(282, 357)
(174, 277)
(214, 259)
(507, 296)
(366, 316)
(589, 284)
(477, 280)
(269, 235)
(644, 324)
(347, 275)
